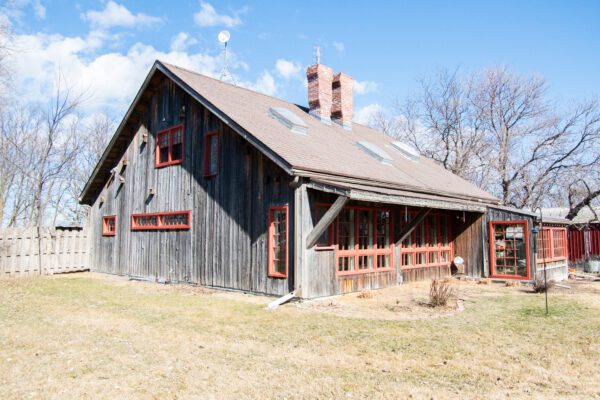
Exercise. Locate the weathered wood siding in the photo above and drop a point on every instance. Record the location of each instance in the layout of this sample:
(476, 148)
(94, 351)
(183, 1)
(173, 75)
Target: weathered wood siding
(31, 251)
(227, 243)
(468, 242)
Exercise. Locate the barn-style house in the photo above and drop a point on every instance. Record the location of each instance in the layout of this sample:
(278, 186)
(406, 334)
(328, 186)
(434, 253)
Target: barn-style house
(213, 184)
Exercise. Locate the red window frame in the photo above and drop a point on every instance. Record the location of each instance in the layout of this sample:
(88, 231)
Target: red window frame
(271, 269)
(493, 273)
(413, 249)
(334, 234)
(208, 155)
(551, 235)
(106, 231)
(170, 132)
(160, 225)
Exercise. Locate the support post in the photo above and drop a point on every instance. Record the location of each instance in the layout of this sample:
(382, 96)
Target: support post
(327, 219)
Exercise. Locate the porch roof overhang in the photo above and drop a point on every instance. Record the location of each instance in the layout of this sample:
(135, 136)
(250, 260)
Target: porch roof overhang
(362, 192)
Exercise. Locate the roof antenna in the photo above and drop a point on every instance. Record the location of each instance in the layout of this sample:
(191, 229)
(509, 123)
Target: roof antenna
(224, 37)
(318, 54)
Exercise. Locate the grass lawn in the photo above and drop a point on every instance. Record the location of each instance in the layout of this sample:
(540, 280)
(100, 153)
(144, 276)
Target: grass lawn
(85, 336)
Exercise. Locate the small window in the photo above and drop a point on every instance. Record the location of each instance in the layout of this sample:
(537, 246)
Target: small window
(211, 154)
(161, 221)
(551, 245)
(278, 242)
(169, 146)
(109, 225)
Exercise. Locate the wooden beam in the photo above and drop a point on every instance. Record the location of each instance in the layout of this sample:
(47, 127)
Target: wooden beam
(327, 219)
(412, 225)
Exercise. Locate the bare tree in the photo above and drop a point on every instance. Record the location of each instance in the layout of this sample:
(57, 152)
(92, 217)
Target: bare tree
(500, 131)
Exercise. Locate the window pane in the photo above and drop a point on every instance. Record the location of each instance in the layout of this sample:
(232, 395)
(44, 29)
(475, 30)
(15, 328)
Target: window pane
(163, 148)
(444, 230)
(147, 220)
(278, 241)
(213, 146)
(346, 264)
(365, 229)
(175, 219)
(383, 261)
(346, 229)
(433, 257)
(383, 229)
(432, 235)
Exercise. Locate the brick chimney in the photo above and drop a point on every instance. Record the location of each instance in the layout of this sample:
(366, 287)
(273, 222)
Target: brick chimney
(341, 109)
(320, 78)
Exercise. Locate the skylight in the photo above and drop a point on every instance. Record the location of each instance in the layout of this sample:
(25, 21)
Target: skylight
(293, 122)
(406, 150)
(375, 152)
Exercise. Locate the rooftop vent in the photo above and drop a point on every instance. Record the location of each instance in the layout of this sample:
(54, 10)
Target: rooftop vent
(376, 152)
(407, 151)
(293, 122)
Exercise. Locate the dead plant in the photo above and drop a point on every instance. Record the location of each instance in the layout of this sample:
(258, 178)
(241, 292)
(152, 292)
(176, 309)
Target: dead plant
(540, 287)
(440, 292)
(365, 294)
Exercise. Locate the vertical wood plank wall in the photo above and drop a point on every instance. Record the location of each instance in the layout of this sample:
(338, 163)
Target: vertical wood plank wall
(227, 243)
(24, 252)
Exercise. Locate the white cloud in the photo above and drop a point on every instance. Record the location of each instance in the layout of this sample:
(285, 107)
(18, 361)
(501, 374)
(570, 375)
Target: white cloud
(339, 47)
(182, 41)
(288, 69)
(264, 84)
(117, 15)
(364, 87)
(208, 16)
(109, 80)
(366, 114)
(39, 9)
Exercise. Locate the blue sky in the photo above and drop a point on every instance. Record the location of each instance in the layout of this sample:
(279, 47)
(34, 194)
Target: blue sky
(108, 47)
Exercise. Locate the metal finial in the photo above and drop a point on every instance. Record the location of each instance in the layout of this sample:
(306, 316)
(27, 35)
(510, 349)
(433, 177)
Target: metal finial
(318, 54)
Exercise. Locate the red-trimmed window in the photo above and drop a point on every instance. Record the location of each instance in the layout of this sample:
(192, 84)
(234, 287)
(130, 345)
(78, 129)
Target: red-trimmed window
(362, 238)
(509, 249)
(161, 221)
(211, 154)
(278, 242)
(552, 245)
(169, 146)
(109, 225)
(429, 244)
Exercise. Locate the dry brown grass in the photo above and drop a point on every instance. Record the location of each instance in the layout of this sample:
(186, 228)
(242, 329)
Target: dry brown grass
(87, 336)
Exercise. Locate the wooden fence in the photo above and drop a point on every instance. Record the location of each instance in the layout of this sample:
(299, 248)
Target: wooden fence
(40, 251)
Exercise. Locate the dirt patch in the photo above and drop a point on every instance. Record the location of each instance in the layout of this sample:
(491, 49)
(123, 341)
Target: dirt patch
(400, 303)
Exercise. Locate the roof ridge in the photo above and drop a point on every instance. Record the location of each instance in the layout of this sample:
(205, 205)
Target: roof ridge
(255, 91)
(228, 84)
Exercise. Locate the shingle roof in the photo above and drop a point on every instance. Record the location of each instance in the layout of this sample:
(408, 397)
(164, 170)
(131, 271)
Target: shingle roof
(326, 150)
